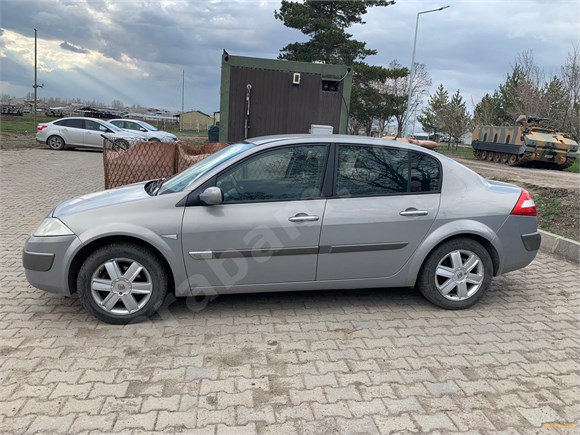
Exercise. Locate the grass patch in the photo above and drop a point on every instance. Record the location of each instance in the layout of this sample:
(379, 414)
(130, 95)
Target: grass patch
(22, 124)
(460, 151)
(176, 131)
(575, 167)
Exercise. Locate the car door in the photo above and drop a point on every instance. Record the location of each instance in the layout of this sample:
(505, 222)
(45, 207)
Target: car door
(267, 228)
(93, 132)
(384, 202)
(72, 131)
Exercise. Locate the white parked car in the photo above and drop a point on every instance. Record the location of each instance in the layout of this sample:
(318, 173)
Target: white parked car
(152, 133)
(81, 132)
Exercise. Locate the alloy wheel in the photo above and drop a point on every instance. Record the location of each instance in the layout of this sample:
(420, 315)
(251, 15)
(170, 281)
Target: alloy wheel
(459, 275)
(121, 286)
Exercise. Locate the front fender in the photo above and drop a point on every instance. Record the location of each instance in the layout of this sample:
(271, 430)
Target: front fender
(170, 248)
(446, 231)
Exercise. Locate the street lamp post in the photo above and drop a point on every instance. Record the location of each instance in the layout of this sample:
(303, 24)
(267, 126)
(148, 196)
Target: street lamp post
(412, 73)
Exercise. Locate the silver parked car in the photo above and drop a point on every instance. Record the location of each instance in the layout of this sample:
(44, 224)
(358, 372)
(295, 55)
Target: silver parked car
(150, 132)
(83, 132)
(284, 213)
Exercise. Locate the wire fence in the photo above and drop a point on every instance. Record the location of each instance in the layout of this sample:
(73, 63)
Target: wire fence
(150, 160)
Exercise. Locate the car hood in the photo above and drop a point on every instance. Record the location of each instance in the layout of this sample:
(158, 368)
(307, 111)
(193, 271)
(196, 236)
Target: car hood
(105, 198)
(131, 133)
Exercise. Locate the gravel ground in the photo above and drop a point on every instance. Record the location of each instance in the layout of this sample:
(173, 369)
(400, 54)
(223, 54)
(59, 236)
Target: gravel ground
(308, 363)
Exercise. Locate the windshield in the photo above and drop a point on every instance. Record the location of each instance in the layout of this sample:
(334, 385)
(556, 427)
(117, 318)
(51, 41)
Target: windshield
(179, 182)
(112, 127)
(148, 126)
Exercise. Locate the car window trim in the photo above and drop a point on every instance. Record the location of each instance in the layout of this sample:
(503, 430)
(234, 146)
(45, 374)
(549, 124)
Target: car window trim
(334, 195)
(194, 200)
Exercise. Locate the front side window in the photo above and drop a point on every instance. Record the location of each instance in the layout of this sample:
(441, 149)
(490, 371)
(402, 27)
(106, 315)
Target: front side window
(94, 125)
(284, 174)
(132, 125)
(369, 171)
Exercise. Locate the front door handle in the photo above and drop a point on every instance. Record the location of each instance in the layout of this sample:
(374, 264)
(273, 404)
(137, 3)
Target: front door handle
(303, 217)
(414, 212)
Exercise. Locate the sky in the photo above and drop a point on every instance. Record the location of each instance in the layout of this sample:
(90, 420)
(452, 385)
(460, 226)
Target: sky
(137, 50)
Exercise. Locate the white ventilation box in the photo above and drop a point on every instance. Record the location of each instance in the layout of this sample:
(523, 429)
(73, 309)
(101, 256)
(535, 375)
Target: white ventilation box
(321, 129)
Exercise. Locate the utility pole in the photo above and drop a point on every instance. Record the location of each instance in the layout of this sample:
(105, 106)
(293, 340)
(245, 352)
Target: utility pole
(182, 101)
(36, 85)
(405, 128)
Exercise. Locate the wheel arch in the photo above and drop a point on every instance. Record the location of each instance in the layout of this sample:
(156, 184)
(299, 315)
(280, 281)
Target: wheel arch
(55, 135)
(489, 247)
(468, 229)
(83, 253)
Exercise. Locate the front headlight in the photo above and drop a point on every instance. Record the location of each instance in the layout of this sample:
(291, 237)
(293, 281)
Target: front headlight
(51, 227)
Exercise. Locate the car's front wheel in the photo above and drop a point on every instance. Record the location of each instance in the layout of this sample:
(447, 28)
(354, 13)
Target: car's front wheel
(55, 143)
(456, 274)
(122, 283)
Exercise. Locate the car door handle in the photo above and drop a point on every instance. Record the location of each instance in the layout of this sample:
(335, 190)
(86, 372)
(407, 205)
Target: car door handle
(303, 217)
(414, 212)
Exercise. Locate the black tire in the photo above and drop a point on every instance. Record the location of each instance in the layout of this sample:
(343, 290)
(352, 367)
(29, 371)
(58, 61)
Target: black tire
(56, 143)
(152, 275)
(154, 139)
(120, 145)
(429, 281)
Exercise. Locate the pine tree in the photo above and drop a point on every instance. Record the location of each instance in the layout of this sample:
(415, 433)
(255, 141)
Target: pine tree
(325, 22)
(432, 117)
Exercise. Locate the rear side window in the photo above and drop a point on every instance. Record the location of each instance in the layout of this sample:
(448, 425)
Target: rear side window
(425, 173)
(369, 171)
(73, 123)
(373, 171)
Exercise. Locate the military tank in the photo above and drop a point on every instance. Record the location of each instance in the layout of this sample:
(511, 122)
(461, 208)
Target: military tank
(524, 144)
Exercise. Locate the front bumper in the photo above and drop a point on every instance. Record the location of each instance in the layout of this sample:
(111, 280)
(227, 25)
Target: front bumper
(46, 260)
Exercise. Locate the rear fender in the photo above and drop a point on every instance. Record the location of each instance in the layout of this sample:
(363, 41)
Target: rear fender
(449, 230)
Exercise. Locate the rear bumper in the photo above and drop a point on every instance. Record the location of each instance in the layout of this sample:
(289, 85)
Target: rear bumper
(520, 241)
(532, 241)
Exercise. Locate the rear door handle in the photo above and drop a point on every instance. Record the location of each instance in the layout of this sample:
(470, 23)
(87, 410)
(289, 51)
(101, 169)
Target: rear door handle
(303, 217)
(414, 212)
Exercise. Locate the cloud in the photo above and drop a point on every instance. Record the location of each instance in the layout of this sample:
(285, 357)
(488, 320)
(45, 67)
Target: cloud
(66, 46)
(139, 48)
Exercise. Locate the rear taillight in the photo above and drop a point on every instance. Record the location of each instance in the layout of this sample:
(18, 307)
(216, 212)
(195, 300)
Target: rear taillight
(525, 205)
(41, 127)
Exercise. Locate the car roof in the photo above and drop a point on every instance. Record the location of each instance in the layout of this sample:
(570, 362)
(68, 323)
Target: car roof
(82, 117)
(335, 138)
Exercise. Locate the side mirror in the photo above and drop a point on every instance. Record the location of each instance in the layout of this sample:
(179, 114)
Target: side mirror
(212, 196)
(143, 129)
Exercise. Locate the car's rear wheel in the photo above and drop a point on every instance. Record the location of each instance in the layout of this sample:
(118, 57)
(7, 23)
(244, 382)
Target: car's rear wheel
(55, 143)
(456, 274)
(122, 283)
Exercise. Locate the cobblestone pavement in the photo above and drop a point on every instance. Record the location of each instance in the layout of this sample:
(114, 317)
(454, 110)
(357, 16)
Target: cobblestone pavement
(308, 363)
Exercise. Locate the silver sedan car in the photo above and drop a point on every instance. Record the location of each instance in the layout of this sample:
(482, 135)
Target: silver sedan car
(82, 132)
(284, 213)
